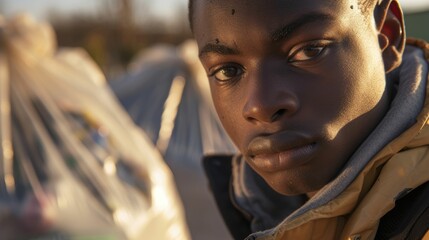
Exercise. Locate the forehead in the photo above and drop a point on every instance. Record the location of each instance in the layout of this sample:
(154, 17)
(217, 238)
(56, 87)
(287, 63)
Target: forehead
(229, 20)
(269, 7)
(218, 14)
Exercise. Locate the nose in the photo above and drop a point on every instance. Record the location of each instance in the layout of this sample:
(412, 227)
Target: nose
(269, 101)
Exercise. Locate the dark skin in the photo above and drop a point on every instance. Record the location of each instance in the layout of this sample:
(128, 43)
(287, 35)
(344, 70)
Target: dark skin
(298, 85)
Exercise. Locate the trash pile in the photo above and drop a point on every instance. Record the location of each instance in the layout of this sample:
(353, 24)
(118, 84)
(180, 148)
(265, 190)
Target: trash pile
(72, 163)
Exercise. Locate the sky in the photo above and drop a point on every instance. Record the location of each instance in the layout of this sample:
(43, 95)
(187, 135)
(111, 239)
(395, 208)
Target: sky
(40, 8)
(160, 8)
(414, 5)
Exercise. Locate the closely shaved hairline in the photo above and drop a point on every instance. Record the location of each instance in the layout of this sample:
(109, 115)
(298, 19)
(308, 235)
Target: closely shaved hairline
(365, 6)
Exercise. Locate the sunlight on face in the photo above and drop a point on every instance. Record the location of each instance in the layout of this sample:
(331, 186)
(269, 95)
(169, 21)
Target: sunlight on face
(297, 85)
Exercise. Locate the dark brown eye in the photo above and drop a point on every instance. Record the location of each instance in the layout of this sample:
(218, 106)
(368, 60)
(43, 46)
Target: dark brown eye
(307, 53)
(227, 73)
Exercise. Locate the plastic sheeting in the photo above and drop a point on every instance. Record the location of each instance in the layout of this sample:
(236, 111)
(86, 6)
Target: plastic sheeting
(72, 163)
(167, 94)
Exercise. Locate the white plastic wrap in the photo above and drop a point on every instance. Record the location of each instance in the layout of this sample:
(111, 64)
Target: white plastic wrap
(73, 165)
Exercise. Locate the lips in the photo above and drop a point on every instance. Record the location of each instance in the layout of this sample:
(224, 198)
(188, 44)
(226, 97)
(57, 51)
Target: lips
(281, 151)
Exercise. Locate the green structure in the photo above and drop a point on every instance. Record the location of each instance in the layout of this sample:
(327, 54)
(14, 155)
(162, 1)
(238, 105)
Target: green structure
(417, 25)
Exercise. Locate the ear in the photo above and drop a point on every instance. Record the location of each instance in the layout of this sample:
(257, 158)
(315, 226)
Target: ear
(391, 32)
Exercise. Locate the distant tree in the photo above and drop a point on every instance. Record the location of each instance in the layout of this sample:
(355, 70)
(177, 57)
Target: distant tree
(126, 13)
(114, 35)
(2, 6)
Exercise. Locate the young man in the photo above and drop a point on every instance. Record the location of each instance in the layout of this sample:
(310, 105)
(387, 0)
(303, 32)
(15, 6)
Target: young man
(328, 107)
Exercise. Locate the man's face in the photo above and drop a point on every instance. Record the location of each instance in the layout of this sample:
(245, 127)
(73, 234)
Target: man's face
(298, 85)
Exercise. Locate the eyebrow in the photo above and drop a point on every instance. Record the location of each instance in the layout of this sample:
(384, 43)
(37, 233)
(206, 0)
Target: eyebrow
(217, 48)
(278, 35)
(285, 31)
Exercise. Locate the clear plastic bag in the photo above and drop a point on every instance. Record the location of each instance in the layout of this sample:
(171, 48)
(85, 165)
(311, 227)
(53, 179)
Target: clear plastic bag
(73, 165)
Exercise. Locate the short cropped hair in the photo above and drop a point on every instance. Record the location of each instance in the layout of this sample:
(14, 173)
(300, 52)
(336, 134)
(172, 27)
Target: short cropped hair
(365, 6)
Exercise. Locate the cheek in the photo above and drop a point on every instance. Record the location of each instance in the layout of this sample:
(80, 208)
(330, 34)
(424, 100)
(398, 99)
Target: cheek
(229, 112)
(357, 85)
(366, 85)
(361, 105)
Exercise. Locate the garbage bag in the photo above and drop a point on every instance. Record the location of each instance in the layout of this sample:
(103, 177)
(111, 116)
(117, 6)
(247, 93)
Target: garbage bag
(166, 92)
(72, 163)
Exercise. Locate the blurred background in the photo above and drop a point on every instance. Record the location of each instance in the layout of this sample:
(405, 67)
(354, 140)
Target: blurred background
(118, 34)
(112, 31)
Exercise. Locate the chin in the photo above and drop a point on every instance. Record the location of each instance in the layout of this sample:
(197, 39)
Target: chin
(293, 188)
